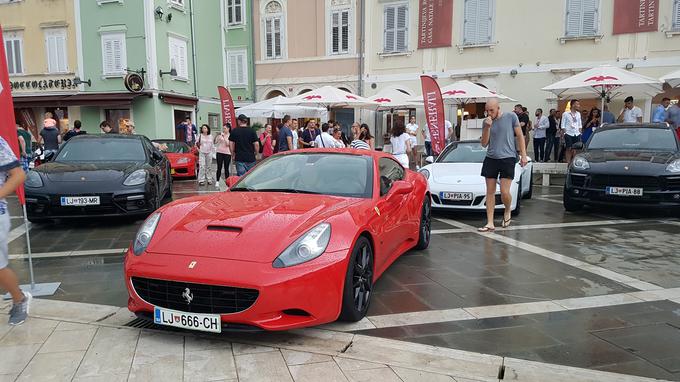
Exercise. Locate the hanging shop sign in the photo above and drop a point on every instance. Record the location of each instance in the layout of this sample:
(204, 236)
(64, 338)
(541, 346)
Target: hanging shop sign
(134, 82)
(435, 22)
(635, 16)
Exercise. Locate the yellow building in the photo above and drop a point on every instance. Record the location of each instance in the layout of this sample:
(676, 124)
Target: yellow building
(40, 39)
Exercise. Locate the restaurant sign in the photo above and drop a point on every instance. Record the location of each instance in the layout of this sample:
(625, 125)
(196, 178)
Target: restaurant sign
(42, 84)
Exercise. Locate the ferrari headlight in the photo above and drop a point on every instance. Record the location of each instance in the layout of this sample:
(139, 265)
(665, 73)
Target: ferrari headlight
(145, 233)
(580, 163)
(309, 246)
(136, 178)
(674, 166)
(425, 172)
(33, 180)
(183, 161)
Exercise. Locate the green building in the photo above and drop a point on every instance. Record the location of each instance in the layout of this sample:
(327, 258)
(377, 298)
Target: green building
(183, 49)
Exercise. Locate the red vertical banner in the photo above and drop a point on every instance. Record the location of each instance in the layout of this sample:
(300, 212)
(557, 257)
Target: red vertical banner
(435, 23)
(8, 127)
(635, 16)
(227, 103)
(434, 113)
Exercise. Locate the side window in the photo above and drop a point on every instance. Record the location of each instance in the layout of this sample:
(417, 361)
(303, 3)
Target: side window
(390, 171)
(149, 146)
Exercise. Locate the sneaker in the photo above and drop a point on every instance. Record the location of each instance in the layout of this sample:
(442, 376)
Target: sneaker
(19, 312)
(201, 183)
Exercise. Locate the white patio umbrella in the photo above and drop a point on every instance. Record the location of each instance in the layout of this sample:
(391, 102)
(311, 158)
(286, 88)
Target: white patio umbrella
(605, 82)
(464, 92)
(330, 97)
(673, 79)
(390, 99)
(276, 108)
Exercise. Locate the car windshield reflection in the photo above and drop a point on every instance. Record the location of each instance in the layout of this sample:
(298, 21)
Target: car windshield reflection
(327, 174)
(633, 138)
(102, 150)
(175, 147)
(471, 152)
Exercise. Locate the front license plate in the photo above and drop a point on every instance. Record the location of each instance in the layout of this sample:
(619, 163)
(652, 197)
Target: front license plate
(624, 191)
(172, 171)
(80, 200)
(184, 320)
(456, 195)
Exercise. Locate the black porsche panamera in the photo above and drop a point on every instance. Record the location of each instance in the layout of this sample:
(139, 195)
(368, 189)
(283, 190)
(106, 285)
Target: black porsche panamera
(99, 175)
(632, 165)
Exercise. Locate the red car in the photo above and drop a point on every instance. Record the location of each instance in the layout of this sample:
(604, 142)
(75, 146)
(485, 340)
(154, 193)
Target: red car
(183, 159)
(298, 241)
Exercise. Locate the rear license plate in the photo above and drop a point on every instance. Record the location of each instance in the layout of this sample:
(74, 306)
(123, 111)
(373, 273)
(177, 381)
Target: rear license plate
(80, 200)
(193, 321)
(624, 191)
(456, 195)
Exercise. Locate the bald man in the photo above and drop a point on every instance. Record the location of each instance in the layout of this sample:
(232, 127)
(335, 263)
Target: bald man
(502, 135)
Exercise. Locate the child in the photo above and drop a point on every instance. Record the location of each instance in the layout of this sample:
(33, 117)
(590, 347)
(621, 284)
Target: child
(205, 146)
(49, 121)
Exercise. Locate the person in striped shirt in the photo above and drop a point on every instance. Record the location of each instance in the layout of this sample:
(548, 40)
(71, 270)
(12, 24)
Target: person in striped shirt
(359, 144)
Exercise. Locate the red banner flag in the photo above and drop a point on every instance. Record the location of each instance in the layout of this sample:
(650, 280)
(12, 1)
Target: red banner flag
(8, 127)
(435, 23)
(635, 16)
(434, 113)
(228, 112)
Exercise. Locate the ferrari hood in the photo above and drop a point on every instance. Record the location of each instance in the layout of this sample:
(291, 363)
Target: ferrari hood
(457, 173)
(246, 226)
(94, 172)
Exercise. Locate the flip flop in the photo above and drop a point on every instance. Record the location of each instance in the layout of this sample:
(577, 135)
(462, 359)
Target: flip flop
(506, 223)
(486, 229)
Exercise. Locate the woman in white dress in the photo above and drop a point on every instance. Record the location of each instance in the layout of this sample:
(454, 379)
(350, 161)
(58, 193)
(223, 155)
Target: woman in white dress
(401, 144)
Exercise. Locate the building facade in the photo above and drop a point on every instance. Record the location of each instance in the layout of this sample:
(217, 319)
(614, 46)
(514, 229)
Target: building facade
(239, 55)
(40, 44)
(516, 47)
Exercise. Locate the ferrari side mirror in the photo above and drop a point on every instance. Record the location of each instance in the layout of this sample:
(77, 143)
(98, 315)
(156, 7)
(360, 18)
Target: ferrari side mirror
(401, 187)
(429, 159)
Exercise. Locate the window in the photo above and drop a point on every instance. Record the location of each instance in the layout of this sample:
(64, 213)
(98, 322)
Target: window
(390, 172)
(273, 30)
(178, 57)
(582, 18)
(676, 15)
(14, 49)
(478, 22)
(178, 3)
(339, 21)
(55, 47)
(396, 28)
(235, 12)
(114, 56)
(237, 70)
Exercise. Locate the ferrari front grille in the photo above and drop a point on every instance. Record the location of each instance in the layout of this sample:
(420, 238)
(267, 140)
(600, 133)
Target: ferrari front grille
(194, 298)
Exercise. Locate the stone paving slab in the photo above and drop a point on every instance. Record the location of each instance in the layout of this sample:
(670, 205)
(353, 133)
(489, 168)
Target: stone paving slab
(35, 352)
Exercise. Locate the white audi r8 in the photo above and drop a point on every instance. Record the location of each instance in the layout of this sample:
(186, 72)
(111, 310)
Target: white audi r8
(455, 181)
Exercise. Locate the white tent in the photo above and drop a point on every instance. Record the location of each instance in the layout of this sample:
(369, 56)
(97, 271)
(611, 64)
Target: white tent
(389, 99)
(605, 82)
(673, 79)
(330, 97)
(464, 92)
(276, 108)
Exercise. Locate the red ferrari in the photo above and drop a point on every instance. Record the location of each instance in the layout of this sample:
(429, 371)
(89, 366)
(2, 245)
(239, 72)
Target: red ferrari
(298, 241)
(183, 159)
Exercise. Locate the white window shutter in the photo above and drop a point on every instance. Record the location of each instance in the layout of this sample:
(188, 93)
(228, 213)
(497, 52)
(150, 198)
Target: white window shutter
(478, 22)
(574, 18)
(390, 30)
(61, 52)
(402, 29)
(590, 17)
(241, 72)
(676, 15)
(108, 55)
(51, 49)
(9, 49)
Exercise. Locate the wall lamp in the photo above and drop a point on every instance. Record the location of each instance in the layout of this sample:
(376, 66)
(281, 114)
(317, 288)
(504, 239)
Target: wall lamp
(630, 66)
(159, 12)
(513, 72)
(77, 81)
(172, 72)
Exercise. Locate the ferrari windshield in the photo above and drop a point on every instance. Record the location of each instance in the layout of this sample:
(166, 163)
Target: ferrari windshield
(328, 174)
(102, 150)
(634, 138)
(175, 147)
(465, 152)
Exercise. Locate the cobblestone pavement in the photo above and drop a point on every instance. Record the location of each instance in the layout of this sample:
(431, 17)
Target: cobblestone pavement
(598, 289)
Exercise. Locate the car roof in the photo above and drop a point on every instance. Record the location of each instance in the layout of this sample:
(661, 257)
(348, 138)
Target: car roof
(346, 151)
(108, 136)
(614, 126)
(167, 141)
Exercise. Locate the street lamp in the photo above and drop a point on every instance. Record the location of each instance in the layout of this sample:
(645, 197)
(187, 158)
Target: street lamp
(77, 81)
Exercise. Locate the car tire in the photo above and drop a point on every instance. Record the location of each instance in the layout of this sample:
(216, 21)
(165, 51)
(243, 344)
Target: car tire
(518, 197)
(425, 227)
(360, 273)
(569, 204)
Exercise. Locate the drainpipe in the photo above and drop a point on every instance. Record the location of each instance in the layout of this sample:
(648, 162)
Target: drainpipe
(362, 41)
(253, 84)
(193, 48)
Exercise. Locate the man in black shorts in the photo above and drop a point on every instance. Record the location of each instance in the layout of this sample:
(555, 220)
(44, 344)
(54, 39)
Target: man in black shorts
(502, 135)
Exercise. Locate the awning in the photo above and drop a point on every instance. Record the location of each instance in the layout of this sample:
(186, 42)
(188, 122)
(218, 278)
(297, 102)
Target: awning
(176, 99)
(77, 99)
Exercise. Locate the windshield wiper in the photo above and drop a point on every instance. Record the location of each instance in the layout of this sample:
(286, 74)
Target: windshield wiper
(292, 190)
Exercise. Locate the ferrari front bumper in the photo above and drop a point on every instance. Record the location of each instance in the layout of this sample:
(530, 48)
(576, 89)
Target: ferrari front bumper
(287, 298)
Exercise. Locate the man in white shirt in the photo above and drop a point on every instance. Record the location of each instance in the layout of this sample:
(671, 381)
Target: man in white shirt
(572, 126)
(325, 140)
(541, 125)
(630, 113)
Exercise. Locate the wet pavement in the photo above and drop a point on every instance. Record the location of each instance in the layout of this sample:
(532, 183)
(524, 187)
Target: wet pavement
(557, 287)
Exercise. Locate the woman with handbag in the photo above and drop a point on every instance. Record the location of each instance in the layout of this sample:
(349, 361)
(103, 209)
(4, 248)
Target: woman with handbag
(223, 154)
(205, 146)
(267, 142)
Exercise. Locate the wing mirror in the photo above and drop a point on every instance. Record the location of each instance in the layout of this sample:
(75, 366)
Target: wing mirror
(230, 181)
(401, 187)
(49, 156)
(577, 146)
(157, 156)
(429, 159)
